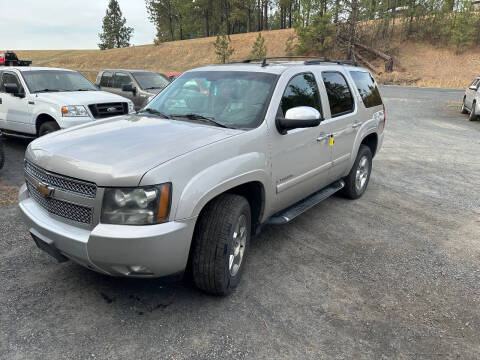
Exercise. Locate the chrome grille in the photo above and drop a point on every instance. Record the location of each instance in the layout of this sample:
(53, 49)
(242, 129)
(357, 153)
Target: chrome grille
(62, 182)
(105, 110)
(60, 208)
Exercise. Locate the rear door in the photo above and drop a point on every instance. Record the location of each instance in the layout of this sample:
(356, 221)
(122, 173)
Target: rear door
(106, 81)
(343, 117)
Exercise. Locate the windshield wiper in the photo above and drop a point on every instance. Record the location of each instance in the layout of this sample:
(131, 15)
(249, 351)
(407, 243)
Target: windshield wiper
(208, 119)
(48, 90)
(85, 90)
(153, 87)
(154, 112)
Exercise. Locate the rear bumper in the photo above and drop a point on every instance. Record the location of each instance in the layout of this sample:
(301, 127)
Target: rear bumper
(162, 249)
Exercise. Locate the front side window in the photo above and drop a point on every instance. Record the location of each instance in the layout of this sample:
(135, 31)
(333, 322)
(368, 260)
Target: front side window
(56, 80)
(367, 88)
(302, 90)
(107, 79)
(150, 80)
(121, 79)
(9, 78)
(339, 94)
(234, 99)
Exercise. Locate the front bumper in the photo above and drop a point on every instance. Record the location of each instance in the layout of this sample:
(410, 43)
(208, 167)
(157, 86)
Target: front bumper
(66, 122)
(163, 249)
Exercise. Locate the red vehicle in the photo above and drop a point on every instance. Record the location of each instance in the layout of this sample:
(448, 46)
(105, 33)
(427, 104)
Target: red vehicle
(173, 75)
(9, 58)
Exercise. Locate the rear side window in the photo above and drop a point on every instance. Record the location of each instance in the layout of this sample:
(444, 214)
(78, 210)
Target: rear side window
(302, 90)
(339, 94)
(367, 88)
(107, 80)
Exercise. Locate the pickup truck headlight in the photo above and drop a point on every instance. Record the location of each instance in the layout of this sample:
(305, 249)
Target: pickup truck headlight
(131, 108)
(136, 206)
(74, 110)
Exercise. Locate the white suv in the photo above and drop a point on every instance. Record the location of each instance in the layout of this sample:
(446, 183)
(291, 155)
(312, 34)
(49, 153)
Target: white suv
(38, 100)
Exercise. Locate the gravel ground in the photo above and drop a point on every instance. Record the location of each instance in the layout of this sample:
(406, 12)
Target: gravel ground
(393, 275)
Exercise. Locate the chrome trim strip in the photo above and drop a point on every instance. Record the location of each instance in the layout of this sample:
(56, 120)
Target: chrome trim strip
(303, 177)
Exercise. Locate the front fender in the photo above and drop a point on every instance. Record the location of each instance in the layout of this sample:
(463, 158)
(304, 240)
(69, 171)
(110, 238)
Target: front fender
(218, 179)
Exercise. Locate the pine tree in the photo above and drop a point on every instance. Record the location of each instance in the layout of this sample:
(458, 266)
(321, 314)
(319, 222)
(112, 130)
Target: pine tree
(115, 33)
(259, 50)
(223, 48)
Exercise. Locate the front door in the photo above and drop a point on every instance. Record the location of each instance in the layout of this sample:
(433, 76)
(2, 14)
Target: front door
(15, 111)
(121, 79)
(301, 159)
(344, 120)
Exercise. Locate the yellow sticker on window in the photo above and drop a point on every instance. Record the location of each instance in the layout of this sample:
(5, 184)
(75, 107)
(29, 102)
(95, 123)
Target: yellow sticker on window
(332, 140)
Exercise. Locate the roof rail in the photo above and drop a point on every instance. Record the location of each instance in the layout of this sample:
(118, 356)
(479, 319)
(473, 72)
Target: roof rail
(9, 58)
(312, 60)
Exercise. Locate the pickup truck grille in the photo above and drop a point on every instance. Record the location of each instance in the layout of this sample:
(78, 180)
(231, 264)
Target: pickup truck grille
(61, 208)
(62, 182)
(100, 111)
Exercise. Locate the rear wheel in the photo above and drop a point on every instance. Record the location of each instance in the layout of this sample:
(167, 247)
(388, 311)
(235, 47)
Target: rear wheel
(357, 180)
(48, 127)
(464, 109)
(473, 115)
(220, 244)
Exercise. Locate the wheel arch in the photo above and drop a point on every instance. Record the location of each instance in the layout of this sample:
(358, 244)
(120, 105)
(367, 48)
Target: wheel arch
(371, 140)
(43, 118)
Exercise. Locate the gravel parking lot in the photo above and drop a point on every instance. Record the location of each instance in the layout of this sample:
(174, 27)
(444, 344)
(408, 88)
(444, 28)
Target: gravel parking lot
(394, 275)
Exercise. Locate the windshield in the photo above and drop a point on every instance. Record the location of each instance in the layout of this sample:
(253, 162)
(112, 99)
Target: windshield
(56, 80)
(150, 80)
(231, 98)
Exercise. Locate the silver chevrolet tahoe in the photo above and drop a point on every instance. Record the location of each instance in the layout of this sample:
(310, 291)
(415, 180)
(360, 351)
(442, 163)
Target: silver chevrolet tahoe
(186, 181)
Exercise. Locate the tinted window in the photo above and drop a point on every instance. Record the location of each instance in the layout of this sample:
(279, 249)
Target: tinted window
(367, 88)
(302, 90)
(121, 79)
(339, 94)
(107, 80)
(8, 78)
(150, 80)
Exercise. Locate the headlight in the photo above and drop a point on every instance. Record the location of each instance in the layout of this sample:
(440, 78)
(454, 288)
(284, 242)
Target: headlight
(74, 110)
(131, 107)
(136, 206)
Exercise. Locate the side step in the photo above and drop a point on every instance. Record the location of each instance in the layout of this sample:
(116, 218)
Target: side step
(300, 207)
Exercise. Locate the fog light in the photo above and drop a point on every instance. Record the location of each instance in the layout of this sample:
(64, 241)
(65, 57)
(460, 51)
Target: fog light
(139, 270)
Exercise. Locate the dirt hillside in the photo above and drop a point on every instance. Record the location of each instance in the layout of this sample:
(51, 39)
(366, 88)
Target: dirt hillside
(415, 63)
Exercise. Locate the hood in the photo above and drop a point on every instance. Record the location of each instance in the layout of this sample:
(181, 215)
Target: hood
(154, 91)
(119, 151)
(80, 97)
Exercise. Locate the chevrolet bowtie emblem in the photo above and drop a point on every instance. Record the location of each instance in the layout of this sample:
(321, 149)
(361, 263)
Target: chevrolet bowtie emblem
(45, 190)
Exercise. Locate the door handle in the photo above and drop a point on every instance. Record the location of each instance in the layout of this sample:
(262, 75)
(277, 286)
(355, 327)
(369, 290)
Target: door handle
(323, 137)
(356, 125)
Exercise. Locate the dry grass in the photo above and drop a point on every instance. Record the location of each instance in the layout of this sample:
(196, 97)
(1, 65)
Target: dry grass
(415, 63)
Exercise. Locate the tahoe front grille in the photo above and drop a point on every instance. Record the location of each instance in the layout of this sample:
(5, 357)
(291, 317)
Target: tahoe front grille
(100, 111)
(62, 182)
(62, 208)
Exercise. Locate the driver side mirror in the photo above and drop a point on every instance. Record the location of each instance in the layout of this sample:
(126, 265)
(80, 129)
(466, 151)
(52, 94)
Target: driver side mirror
(12, 88)
(298, 117)
(129, 88)
(473, 87)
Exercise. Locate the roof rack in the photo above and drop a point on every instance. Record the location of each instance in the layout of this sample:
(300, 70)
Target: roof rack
(312, 60)
(9, 58)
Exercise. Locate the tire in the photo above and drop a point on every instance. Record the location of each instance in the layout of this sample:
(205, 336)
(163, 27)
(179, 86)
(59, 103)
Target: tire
(2, 154)
(473, 116)
(354, 189)
(218, 238)
(47, 128)
(464, 109)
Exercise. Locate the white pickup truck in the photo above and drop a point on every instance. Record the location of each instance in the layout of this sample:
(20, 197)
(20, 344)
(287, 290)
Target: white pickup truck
(38, 100)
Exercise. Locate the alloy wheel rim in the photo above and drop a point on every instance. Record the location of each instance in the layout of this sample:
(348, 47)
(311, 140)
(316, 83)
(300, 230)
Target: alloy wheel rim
(239, 243)
(361, 175)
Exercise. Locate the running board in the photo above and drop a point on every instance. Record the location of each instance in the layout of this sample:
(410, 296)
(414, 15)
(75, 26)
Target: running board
(300, 207)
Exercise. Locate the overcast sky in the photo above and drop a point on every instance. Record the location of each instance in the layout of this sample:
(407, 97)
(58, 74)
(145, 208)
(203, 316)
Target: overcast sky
(65, 24)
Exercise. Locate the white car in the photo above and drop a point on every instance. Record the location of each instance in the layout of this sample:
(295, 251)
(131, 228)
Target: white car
(38, 100)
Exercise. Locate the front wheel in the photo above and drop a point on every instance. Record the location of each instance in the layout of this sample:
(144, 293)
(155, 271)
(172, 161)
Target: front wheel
(48, 127)
(357, 180)
(464, 108)
(220, 244)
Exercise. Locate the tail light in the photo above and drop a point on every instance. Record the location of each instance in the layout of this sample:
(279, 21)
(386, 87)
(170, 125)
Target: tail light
(2, 59)
(384, 117)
